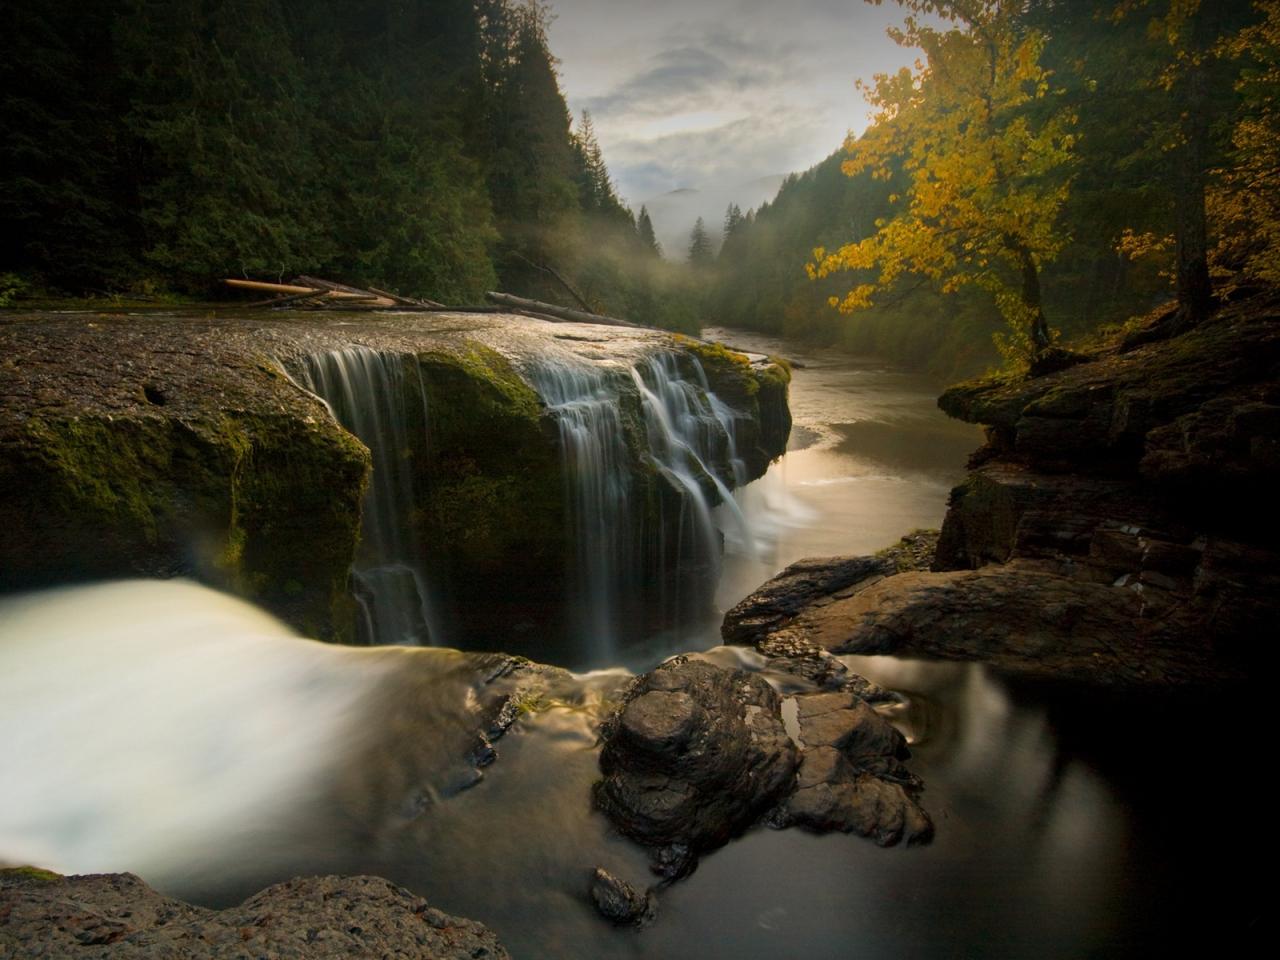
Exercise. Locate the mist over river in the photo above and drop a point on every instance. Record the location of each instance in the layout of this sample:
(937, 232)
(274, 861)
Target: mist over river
(161, 728)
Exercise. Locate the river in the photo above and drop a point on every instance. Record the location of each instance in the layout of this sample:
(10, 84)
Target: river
(1068, 824)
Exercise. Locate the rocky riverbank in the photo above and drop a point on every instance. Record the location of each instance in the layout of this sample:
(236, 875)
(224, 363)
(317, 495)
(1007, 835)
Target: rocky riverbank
(118, 916)
(1117, 528)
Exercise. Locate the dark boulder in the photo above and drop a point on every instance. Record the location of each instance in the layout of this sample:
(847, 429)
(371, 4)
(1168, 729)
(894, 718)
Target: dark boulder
(621, 902)
(695, 755)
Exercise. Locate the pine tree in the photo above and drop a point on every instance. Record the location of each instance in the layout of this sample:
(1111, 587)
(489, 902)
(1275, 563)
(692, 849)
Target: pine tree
(644, 231)
(700, 252)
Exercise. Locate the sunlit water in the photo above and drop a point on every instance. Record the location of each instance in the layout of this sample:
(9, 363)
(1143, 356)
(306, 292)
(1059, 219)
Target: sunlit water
(168, 730)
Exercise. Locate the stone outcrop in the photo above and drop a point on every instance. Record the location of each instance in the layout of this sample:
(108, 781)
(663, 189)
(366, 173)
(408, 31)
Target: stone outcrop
(696, 754)
(167, 444)
(1118, 527)
(117, 916)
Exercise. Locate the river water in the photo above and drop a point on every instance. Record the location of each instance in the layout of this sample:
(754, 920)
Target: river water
(164, 729)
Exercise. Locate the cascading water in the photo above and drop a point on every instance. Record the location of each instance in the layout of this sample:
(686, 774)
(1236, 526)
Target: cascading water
(628, 574)
(366, 392)
(584, 402)
(691, 437)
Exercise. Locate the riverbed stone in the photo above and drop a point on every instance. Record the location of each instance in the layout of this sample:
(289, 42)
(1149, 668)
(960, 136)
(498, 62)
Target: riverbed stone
(696, 754)
(847, 723)
(619, 901)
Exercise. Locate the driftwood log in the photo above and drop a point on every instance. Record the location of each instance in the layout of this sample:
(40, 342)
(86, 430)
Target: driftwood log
(307, 289)
(318, 293)
(552, 312)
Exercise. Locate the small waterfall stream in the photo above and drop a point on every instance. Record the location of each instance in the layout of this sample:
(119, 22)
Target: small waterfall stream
(585, 404)
(623, 563)
(366, 392)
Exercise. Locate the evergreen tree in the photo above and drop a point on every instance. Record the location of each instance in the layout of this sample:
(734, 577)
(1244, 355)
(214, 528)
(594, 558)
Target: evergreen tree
(700, 252)
(644, 231)
(733, 220)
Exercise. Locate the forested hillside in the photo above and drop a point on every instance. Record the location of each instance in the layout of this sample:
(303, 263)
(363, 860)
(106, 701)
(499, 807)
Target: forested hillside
(1130, 85)
(159, 145)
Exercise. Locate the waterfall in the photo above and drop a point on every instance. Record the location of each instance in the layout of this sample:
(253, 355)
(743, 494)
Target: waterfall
(627, 575)
(366, 392)
(691, 435)
(584, 403)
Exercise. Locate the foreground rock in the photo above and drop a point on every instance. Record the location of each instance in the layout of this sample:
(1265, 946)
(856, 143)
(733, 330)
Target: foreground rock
(697, 754)
(851, 777)
(119, 916)
(1119, 527)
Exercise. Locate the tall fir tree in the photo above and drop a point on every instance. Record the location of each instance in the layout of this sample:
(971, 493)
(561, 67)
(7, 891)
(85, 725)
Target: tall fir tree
(701, 254)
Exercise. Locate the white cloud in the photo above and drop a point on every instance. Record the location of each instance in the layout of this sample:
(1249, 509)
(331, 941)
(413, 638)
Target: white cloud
(689, 92)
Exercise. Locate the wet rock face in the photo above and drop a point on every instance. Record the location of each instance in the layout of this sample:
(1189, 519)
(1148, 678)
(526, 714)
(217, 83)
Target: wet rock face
(695, 755)
(119, 916)
(799, 585)
(851, 776)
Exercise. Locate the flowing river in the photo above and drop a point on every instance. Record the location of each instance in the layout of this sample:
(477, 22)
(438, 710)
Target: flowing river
(171, 731)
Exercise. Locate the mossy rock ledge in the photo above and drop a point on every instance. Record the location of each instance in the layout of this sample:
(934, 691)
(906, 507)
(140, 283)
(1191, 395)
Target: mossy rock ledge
(174, 444)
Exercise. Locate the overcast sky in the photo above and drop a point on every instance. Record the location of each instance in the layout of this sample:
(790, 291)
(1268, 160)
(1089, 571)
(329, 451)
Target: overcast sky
(694, 93)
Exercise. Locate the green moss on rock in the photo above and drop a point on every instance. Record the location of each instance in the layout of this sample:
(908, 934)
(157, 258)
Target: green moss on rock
(492, 514)
(27, 876)
(265, 506)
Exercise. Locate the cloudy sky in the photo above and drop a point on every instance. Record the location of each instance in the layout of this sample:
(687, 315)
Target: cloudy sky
(695, 93)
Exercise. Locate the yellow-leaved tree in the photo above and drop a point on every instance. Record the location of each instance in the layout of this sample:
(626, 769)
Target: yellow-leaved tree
(986, 155)
(1245, 201)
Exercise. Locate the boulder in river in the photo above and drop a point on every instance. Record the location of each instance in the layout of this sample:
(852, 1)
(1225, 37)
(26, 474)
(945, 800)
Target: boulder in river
(696, 754)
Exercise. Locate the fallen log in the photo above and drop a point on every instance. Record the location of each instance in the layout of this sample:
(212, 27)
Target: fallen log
(313, 288)
(405, 301)
(287, 298)
(552, 312)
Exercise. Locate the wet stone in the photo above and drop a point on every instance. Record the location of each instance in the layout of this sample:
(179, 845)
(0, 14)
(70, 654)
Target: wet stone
(620, 902)
(660, 721)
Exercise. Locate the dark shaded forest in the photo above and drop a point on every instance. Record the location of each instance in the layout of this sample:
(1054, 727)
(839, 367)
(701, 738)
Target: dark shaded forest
(1140, 89)
(155, 146)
